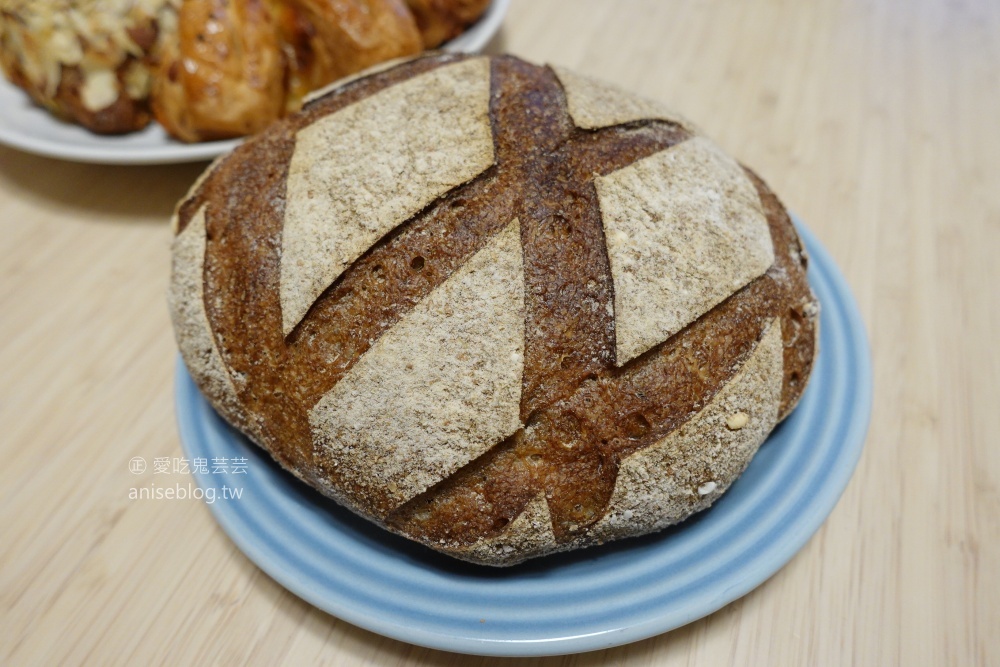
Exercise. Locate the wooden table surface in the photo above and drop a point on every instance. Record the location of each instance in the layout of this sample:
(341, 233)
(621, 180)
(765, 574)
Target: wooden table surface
(877, 121)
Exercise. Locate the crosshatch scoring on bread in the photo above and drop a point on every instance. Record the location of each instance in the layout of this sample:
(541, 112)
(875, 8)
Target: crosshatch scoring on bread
(665, 482)
(439, 388)
(497, 308)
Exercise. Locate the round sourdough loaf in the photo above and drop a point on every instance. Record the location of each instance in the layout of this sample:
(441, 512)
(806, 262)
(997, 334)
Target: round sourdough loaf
(498, 308)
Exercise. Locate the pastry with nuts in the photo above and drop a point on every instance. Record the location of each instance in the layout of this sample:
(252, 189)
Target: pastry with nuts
(206, 69)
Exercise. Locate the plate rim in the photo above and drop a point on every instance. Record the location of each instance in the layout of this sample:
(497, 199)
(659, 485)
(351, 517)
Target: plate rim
(472, 40)
(758, 571)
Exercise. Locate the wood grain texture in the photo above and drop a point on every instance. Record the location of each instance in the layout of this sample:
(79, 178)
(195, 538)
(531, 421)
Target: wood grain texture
(875, 121)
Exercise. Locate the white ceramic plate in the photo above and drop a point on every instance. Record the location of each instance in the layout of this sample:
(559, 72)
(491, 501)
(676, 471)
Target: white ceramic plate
(570, 602)
(33, 129)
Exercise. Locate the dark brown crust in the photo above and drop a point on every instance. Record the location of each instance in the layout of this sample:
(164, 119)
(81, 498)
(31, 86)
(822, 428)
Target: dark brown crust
(798, 317)
(120, 117)
(583, 413)
(242, 269)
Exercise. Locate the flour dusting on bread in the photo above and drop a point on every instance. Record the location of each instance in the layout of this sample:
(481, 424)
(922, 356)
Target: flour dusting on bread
(595, 104)
(191, 327)
(436, 390)
(685, 229)
(689, 469)
(360, 172)
(498, 312)
(528, 535)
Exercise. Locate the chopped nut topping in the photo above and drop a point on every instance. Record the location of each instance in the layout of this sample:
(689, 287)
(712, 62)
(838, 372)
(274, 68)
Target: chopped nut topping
(737, 421)
(40, 37)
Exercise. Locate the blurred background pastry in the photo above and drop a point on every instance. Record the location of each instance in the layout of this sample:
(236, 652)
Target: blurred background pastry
(224, 73)
(441, 20)
(87, 61)
(206, 69)
(331, 39)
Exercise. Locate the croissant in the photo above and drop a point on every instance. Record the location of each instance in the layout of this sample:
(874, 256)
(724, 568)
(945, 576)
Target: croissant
(224, 76)
(334, 38)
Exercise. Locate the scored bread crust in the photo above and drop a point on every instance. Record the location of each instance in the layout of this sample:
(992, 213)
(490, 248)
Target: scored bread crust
(466, 336)
(677, 248)
(332, 176)
(593, 104)
(665, 483)
(549, 480)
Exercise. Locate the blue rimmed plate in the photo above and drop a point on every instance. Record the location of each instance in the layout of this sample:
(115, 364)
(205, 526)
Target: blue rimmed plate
(566, 603)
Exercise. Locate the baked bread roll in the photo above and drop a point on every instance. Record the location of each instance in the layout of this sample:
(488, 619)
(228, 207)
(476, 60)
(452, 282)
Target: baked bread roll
(346, 36)
(237, 65)
(207, 69)
(87, 61)
(224, 73)
(498, 308)
(441, 20)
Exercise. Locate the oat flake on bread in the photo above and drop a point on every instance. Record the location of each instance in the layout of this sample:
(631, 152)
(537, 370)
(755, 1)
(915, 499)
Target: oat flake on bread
(498, 308)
